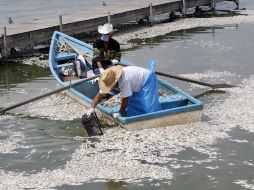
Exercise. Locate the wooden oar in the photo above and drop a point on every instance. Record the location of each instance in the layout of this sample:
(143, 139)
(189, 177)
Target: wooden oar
(3, 110)
(223, 85)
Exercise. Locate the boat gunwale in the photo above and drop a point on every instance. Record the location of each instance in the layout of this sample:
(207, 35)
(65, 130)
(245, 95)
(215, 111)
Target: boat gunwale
(195, 104)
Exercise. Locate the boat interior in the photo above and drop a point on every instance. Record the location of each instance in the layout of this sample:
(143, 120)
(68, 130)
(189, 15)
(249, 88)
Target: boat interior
(65, 50)
(169, 98)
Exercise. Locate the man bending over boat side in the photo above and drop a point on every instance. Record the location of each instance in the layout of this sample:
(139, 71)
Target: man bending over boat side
(106, 50)
(138, 89)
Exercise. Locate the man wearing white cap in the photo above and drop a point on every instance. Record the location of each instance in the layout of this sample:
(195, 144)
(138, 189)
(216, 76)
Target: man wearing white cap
(106, 50)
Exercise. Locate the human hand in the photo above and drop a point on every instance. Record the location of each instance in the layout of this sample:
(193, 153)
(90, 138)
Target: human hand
(115, 115)
(89, 112)
(101, 70)
(114, 61)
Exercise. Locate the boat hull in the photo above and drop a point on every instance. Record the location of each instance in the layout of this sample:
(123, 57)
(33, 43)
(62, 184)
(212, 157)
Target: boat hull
(177, 108)
(162, 121)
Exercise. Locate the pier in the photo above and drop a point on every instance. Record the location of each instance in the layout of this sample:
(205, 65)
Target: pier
(41, 30)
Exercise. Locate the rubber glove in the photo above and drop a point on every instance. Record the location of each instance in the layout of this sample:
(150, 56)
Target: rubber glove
(115, 115)
(95, 80)
(114, 61)
(89, 112)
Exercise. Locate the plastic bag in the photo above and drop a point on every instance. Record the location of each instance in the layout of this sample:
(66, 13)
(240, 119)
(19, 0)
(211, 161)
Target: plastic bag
(147, 99)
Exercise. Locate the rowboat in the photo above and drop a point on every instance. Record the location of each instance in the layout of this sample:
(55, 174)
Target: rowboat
(178, 107)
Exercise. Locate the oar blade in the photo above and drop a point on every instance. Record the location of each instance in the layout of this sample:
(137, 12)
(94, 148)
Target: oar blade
(224, 85)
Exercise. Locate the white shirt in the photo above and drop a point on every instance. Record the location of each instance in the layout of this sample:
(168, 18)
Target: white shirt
(131, 80)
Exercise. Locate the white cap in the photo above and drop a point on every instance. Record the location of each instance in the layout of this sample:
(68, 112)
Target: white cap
(105, 29)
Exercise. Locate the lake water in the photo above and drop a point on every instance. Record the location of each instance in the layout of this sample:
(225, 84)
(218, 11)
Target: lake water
(43, 145)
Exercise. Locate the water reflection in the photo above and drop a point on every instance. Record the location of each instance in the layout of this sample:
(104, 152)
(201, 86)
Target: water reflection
(36, 143)
(112, 185)
(14, 72)
(180, 35)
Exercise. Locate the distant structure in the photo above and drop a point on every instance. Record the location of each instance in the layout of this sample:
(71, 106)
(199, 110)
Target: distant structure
(10, 21)
(24, 33)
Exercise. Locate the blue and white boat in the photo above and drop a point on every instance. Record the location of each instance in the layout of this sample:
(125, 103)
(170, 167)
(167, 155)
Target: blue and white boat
(178, 107)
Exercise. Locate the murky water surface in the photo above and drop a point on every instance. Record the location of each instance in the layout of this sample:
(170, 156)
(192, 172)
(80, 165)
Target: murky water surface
(43, 144)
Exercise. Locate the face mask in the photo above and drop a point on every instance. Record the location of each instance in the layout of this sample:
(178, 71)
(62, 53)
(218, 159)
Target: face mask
(105, 37)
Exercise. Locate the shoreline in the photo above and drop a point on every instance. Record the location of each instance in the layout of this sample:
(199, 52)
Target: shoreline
(182, 24)
(145, 32)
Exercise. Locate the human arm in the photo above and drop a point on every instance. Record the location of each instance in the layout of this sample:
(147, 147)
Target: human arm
(96, 100)
(96, 57)
(97, 61)
(97, 53)
(99, 65)
(115, 56)
(124, 105)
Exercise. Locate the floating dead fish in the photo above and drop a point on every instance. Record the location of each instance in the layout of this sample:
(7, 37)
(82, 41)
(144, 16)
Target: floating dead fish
(116, 99)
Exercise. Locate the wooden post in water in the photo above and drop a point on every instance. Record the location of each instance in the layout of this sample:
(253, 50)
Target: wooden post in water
(213, 5)
(61, 23)
(237, 3)
(151, 14)
(5, 50)
(2, 49)
(8, 87)
(184, 9)
(109, 18)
